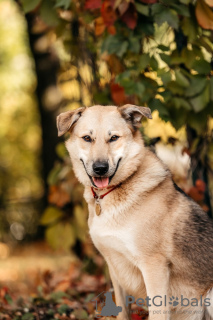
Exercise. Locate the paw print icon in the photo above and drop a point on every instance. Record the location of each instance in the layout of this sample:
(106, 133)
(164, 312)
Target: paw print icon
(173, 301)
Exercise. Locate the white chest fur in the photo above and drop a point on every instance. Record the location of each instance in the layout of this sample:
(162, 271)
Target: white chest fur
(115, 240)
(107, 232)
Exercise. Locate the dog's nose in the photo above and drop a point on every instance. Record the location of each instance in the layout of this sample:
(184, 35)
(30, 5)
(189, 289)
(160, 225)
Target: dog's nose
(100, 168)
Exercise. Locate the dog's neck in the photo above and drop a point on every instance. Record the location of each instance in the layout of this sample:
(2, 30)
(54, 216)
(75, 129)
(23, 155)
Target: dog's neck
(102, 192)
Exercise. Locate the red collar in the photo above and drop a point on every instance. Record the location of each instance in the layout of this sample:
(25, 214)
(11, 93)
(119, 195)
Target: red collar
(103, 195)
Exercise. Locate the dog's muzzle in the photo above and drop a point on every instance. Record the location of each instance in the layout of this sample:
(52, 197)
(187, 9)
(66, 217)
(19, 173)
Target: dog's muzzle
(100, 167)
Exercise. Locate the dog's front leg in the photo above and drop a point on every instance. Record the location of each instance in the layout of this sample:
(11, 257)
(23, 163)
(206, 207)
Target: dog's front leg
(156, 277)
(120, 296)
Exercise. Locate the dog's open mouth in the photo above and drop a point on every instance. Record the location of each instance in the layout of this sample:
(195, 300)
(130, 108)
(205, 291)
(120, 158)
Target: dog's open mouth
(101, 182)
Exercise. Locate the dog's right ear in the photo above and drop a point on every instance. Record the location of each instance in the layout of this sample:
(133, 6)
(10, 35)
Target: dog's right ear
(67, 119)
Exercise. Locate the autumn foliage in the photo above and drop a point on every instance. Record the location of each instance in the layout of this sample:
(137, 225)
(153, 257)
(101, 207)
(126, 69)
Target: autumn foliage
(144, 52)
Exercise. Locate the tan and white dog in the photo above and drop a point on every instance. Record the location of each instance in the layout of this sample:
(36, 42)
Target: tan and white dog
(157, 242)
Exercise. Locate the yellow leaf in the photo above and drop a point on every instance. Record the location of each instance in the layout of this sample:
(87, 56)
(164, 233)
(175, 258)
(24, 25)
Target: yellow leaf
(50, 215)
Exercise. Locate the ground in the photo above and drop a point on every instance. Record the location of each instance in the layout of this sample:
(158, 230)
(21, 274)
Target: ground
(38, 283)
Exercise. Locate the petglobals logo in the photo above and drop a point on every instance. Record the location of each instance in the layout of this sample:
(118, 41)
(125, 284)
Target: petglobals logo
(159, 301)
(105, 306)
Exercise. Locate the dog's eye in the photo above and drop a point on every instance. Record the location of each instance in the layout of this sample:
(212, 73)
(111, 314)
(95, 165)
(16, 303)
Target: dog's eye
(87, 138)
(113, 138)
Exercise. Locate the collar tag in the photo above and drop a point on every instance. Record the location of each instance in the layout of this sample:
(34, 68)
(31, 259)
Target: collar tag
(98, 198)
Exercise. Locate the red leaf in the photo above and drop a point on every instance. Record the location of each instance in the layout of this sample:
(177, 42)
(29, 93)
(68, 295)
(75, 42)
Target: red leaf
(123, 7)
(201, 186)
(117, 93)
(149, 1)
(130, 16)
(196, 194)
(93, 4)
(135, 317)
(108, 13)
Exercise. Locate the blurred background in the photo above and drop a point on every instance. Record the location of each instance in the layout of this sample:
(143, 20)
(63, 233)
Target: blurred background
(57, 55)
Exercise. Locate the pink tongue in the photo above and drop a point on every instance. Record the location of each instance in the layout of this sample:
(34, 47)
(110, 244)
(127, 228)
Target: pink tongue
(101, 182)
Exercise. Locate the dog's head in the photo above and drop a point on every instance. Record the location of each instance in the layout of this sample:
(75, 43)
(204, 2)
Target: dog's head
(104, 145)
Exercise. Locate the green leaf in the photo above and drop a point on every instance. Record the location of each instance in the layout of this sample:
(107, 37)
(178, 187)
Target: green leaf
(166, 77)
(189, 57)
(156, 104)
(185, 1)
(166, 15)
(181, 9)
(197, 84)
(63, 308)
(197, 121)
(134, 45)
(199, 102)
(53, 177)
(143, 9)
(206, 43)
(124, 76)
(29, 5)
(80, 314)
(132, 87)
(181, 103)
(143, 61)
(202, 66)
(61, 150)
(8, 298)
(80, 224)
(153, 63)
(50, 215)
(58, 295)
(27, 316)
(165, 57)
(181, 79)
(163, 48)
(178, 116)
(63, 4)
(175, 88)
(189, 27)
(61, 236)
(211, 88)
(115, 44)
(89, 297)
(48, 13)
(157, 8)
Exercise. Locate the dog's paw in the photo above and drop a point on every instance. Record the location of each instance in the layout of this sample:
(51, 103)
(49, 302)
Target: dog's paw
(173, 301)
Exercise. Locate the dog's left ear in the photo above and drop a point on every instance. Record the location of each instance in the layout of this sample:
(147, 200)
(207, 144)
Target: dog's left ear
(67, 119)
(134, 114)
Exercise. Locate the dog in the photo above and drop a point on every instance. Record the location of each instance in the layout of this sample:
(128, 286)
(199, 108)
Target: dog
(157, 242)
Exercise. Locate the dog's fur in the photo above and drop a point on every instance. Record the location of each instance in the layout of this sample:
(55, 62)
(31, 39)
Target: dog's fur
(155, 240)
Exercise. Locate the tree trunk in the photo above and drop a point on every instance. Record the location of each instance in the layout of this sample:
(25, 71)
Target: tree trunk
(46, 68)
